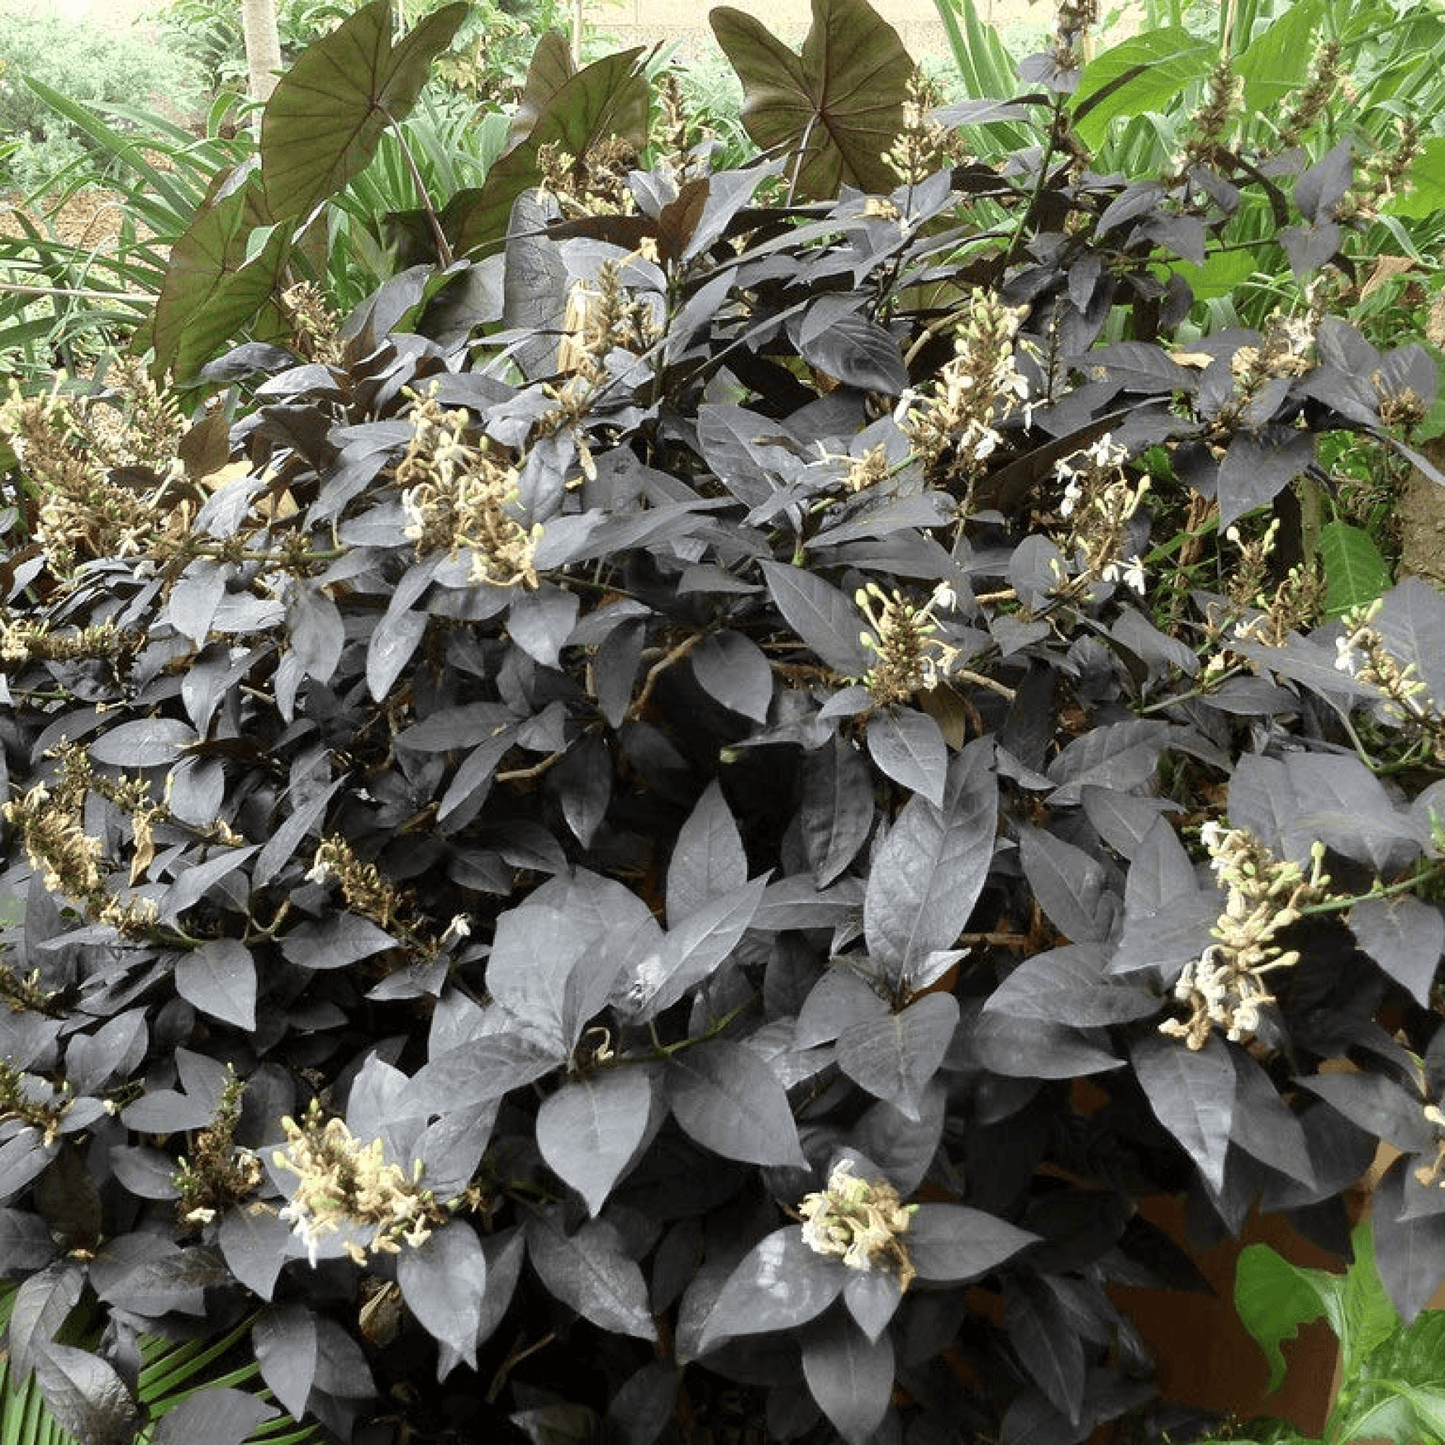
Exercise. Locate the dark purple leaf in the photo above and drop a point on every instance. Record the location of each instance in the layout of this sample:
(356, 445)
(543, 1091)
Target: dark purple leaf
(41, 1306)
(909, 747)
(539, 622)
(1409, 1251)
(583, 785)
(895, 1055)
(822, 617)
(778, 1284)
(86, 1396)
(1377, 1104)
(592, 1273)
(285, 1341)
(1067, 883)
(255, 1242)
(1069, 986)
(219, 978)
(442, 1281)
(335, 942)
(734, 670)
(836, 814)
(732, 1103)
(217, 1414)
(708, 860)
(1405, 936)
(149, 743)
(951, 1242)
(927, 875)
(317, 633)
(872, 1297)
(850, 1376)
(477, 1072)
(589, 1129)
(1192, 1093)
(1046, 1340)
(642, 1407)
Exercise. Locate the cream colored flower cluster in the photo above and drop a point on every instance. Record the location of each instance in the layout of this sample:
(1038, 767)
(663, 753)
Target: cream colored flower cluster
(860, 1221)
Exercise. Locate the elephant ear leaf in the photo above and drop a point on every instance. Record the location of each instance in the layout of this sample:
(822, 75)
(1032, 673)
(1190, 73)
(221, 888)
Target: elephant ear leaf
(327, 114)
(836, 108)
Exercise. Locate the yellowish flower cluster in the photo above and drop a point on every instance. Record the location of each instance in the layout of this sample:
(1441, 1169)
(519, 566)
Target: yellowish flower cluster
(342, 1183)
(860, 1221)
(1224, 987)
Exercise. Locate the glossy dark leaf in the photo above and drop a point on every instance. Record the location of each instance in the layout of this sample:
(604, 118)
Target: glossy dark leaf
(930, 869)
(254, 1241)
(219, 1415)
(478, 1072)
(1192, 1092)
(1069, 986)
(822, 617)
(219, 978)
(872, 1297)
(837, 808)
(735, 671)
(86, 1396)
(589, 1129)
(43, 1303)
(1068, 884)
(592, 1273)
(337, 942)
(909, 747)
(732, 1103)
(1405, 936)
(1047, 1342)
(155, 742)
(1256, 468)
(708, 860)
(1409, 1252)
(778, 1284)
(951, 1242)
(895, 1055)
(285, 1341)
(849, 1375)
(443, 1281)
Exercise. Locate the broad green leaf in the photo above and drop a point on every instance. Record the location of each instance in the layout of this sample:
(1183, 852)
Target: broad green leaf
(1146, 72)
(210, 292)
(1276, 63)
(1423, 193)
(1274, 1298)
(836, 108)
(779, 1283)
(849, 1375)
(328, 112)
(588, 1130)
(1355, 572)
(609, 97)
(1192, 1092)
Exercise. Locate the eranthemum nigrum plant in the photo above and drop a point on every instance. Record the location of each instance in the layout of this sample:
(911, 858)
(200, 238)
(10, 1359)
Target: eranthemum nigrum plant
(673, 819)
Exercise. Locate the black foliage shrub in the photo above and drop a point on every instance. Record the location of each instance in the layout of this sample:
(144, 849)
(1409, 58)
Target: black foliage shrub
(606, 866)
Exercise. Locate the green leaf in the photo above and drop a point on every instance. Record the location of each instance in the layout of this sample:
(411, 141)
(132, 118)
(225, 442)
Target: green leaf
(1277, 62)
(1146, 72)
(1424, 190)
(837, 107)
(1355, 572)
(210, 291)
(609, 97)
(1273, 1299)
(327, 114)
